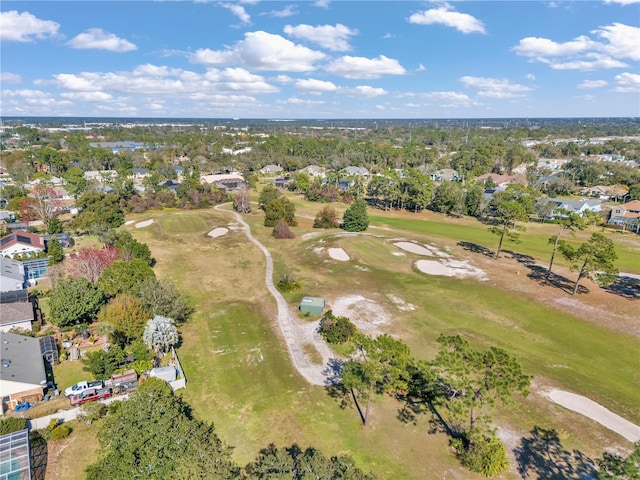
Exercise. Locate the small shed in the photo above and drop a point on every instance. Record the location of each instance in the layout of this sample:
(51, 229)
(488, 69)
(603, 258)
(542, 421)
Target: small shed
(168, 373)
(312, 305)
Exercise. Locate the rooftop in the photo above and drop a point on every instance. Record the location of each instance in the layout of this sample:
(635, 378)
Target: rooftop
(21, 359)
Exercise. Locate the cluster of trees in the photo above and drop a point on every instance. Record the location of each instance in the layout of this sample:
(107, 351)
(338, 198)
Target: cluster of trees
(154, 435)
(460, 388)
(116, 286)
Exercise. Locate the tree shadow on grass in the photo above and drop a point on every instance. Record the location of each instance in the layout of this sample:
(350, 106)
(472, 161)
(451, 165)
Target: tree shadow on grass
(541, 455)
(475, 248)
(39, 455)
(626, 287)
(540, 275)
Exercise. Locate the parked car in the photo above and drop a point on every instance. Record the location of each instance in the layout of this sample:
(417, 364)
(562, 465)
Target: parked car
(90, 395)
(82, 386)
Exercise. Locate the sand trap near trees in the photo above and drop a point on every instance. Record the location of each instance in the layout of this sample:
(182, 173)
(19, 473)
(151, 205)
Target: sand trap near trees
(129, 222)
(218, 232)
(338, 254)
(596, 412)
(414, 248)
(450, 268)
(366, 314)
(146, 223)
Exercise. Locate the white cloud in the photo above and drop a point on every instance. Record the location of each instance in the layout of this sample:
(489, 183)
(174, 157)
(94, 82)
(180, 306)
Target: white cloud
(301, 101)
(287, 11)
(530, 76)
(284, 79)
(25, 27)
(445, 15)
(238, 11)
(6, 77)
(361, 67)
(495, 87)
(585, 53)
(598, 62)
(98, 39)
(421, 68)
(622, 2)
(322, 4)
(592, 84)
(153, 80)
(628, 83)
(263, 51)
(624, 40)
(365, 91)
(34, 98)
(315, 87)
(88, 96)
(334, 38)
(543, 47)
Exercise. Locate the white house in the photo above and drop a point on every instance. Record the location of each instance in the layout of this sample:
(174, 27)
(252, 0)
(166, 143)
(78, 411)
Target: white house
(270, 169)
(357, 171)
(579, 206)
(20, 242)
(314, 171)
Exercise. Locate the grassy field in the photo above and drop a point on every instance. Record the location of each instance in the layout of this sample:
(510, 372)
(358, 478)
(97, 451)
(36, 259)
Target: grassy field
(241, 378)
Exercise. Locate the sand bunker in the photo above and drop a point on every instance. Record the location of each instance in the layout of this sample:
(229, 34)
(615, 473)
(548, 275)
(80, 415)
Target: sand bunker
(414, 248)
(129, 222)
(450, 268)
(218, 232)
(433, 267)
(338, 254)
(146, 223)
(597, 412)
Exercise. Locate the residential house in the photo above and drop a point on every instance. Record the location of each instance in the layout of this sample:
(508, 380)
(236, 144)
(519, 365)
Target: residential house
(22, 376)
(501, 180)
(626, 215)
(64, 238)
(140, 173)
(117, 147)
(101, 176)
(16, 315)
(445, 175)
(12, 275)
(598, 191)
(20, 242)
(314, 171)
(282, 182)
(575, 206)
(552, 163)
(228, 181)
(357, 171)
(270, 169)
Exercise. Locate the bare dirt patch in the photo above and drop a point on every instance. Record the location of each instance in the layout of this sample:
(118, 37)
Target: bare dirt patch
(368, 315)
(218, 232)
(338, 254)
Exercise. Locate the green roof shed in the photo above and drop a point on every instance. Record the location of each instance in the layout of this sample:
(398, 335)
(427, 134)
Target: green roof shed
(312, 305)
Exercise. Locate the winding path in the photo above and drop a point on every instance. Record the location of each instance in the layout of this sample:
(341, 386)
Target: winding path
(314, 374)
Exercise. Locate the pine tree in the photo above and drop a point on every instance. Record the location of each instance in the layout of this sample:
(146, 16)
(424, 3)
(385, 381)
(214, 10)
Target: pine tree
(55, 252)
(355, 218)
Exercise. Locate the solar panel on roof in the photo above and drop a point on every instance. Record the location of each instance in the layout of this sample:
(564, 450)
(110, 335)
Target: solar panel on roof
(23, 239)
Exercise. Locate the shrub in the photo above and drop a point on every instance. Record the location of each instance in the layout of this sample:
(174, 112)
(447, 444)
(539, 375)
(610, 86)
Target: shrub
(61, 431)
(326, 218)
(282, 230)
(336, 329)
(288, 284)
(12, 424)
(485, 455)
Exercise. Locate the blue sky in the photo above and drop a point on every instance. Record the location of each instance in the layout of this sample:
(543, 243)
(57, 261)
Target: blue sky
(320, 59)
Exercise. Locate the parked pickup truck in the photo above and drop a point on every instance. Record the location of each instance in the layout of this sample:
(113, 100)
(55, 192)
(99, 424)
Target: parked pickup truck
(90, 395)
(81, 387)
